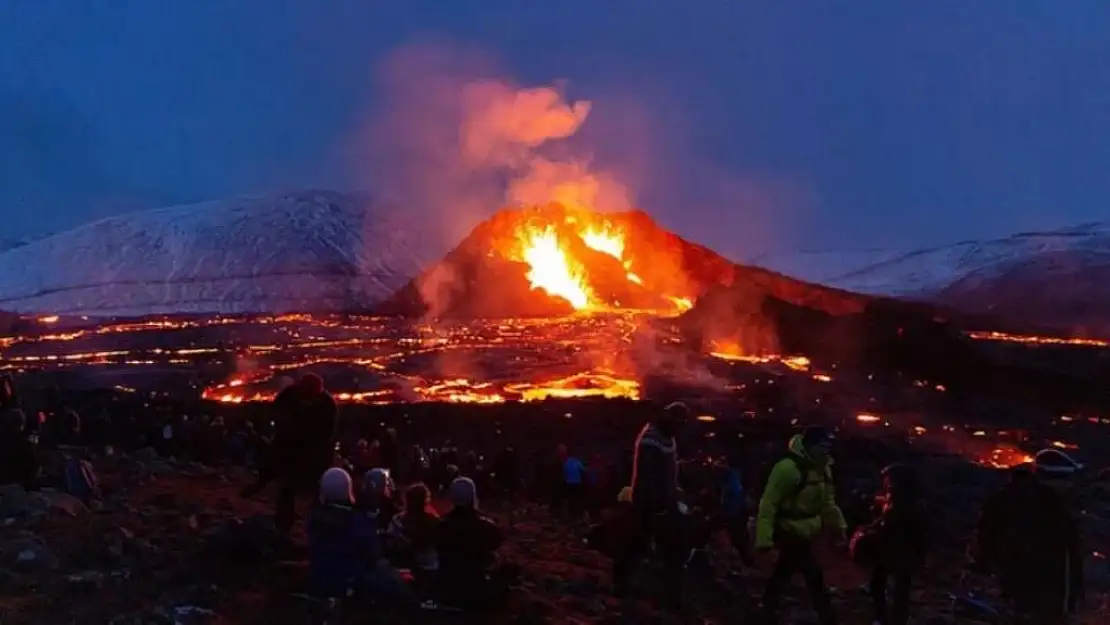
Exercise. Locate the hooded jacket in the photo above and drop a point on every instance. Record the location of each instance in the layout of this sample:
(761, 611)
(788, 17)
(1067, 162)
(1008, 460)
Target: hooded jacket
(654, 469)
(343, 545)
(805, 511)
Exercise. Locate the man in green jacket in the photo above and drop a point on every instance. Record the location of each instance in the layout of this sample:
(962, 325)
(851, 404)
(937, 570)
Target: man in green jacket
(798, 505)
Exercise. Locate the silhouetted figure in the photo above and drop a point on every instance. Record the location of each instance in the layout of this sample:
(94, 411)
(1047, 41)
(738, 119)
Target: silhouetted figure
(303, 446)
(1029, 538)
(19, 463)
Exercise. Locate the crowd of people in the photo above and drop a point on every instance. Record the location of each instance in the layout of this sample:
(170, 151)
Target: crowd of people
(370, 537)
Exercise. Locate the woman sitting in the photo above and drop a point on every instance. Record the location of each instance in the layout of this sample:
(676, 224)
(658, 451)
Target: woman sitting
(413, 532)
(345, 553)
(467, 544)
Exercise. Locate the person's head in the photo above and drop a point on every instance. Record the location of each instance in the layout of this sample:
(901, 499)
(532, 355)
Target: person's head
(376, 483)
(900, 482)
(311, 384)
(672, 417)
(362, 445)
(463, 493)
(416, 497)
(336, 487)
(817, 441)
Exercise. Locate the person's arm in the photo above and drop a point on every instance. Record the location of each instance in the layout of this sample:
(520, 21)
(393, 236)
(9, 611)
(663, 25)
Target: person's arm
(782, 480)
(830, 511)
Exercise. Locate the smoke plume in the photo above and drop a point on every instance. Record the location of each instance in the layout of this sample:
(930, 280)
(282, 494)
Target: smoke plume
(452, 140)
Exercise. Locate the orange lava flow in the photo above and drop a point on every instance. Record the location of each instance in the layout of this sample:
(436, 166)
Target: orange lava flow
(463, 391)
(553, 268)
(1005, 457)
(1036, 340)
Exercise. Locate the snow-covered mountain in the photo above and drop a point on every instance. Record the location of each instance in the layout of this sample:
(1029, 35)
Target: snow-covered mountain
(310, 250)
(1059, 279)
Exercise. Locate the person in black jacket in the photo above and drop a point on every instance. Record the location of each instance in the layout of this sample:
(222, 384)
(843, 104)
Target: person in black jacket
(898, 543)
(466, 546)
(655, 498)
(1028, 536)
(303, 446)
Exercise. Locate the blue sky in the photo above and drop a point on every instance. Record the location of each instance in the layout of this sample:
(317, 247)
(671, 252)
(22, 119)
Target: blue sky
(780, 124)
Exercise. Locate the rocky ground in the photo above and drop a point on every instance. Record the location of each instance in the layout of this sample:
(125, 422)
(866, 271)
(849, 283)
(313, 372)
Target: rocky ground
(148, 553)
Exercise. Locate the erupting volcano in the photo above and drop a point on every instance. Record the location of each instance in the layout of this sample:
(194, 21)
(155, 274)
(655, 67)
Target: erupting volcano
(553, 261)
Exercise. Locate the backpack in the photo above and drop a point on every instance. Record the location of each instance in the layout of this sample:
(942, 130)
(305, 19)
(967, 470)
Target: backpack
(804, 466)
(79, 480)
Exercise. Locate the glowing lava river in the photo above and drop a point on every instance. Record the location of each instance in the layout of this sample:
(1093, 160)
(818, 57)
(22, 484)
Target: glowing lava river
(366, 360)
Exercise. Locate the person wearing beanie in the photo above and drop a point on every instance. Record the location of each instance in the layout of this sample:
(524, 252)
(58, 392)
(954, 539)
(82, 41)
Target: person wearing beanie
(345, 552)
(466, 545)
(798, 504)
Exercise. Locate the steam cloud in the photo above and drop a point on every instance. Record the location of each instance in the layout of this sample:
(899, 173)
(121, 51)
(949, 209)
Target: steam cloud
(454, 141)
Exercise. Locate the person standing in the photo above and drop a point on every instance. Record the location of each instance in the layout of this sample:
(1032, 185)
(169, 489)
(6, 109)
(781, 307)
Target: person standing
(655, 499)
(303, 447)
(798, 504)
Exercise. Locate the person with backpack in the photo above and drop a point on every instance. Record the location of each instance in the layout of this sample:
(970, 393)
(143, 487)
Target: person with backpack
(1028, 536)
(797, 506)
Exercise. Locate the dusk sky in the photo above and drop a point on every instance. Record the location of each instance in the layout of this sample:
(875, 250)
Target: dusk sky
(816, 123)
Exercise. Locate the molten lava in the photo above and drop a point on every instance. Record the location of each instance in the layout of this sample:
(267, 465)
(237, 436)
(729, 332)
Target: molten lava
(556, 246)
(550, 269)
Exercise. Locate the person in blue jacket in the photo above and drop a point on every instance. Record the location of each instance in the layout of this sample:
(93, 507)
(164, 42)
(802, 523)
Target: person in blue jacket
(345, 551)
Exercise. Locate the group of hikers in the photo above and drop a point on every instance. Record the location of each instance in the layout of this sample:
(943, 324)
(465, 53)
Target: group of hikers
(368, 537)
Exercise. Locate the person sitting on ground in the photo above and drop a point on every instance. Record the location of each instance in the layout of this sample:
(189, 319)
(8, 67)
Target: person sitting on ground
(345, 552)
(895, 543)
(413, 531)
(19, 462)
(375, 498)
(1028, 536)
(467, 544)
(798, 504)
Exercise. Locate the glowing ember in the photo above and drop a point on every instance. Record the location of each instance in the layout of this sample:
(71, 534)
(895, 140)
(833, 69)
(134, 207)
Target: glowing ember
(550, 269)
(707, 418)
(49, 319)
(865, 417)
(1005, 458)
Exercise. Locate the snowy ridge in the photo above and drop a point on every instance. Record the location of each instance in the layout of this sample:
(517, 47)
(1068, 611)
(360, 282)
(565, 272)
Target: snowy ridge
(310, 250)
(928, 272)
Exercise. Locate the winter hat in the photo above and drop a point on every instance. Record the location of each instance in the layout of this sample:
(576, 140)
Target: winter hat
(463, 493)
(816, 435)
(335, 487)
(376, 481)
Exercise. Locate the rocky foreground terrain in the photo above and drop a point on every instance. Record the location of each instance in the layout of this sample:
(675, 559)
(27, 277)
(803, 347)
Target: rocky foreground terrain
(150, 552)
